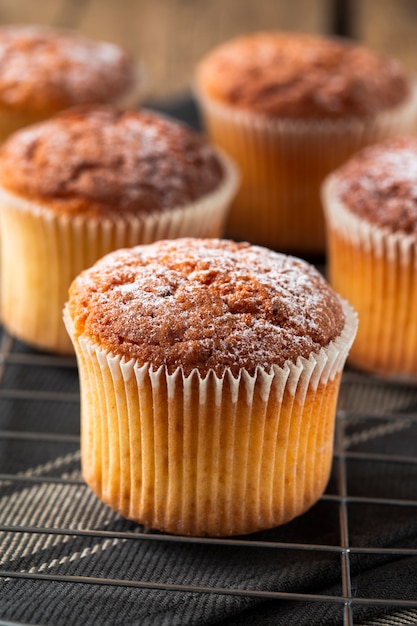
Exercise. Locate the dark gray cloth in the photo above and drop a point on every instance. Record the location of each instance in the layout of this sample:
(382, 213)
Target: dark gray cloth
(42, 400)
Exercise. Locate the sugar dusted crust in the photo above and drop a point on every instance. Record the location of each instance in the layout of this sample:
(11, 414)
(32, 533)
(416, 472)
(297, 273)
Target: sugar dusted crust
(303, 76)
(100, 161)
(379, 184)
(206, 304)
(50, 69)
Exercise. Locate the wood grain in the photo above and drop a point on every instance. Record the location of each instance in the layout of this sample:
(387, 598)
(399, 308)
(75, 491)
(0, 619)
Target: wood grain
(169, 36)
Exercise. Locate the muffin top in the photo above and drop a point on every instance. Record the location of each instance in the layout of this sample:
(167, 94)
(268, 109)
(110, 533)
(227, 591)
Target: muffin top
(379, 185)
(205, 304)
(100, 161)
(301, 76)
(52, 69)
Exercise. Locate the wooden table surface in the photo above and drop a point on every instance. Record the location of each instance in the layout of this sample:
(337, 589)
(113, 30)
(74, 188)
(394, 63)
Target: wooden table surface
(169, 36)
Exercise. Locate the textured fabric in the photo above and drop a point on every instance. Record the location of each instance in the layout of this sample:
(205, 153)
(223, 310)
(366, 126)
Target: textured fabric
(53, 526)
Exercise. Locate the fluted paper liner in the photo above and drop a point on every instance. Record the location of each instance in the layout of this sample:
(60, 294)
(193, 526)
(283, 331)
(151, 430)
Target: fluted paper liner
(283, 163)
(43, 251)
(376, 270)
(208, 455)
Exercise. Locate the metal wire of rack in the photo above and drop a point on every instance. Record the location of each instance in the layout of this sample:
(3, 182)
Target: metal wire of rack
(51, 526)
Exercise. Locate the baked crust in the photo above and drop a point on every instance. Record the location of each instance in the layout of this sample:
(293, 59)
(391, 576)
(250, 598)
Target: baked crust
(302, 76)
(101, 161)
(205, 304)
(379, 185)
(46, 69)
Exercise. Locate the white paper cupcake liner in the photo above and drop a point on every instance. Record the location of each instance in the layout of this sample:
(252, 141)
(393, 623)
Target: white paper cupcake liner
(283, 163)
(376, 270)
(209, 455)
(42, 252)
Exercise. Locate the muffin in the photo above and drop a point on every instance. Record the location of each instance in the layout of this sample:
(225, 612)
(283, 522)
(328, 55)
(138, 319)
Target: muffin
(45, 70)
(209, 375)
(290, 108)
(371, 212)
(86, 182)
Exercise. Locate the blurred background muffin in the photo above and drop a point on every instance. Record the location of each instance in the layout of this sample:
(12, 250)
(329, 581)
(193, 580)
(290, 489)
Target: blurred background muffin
(289, 108)
(170, 36)
(371, 210)
(85, 182)
(44, 70)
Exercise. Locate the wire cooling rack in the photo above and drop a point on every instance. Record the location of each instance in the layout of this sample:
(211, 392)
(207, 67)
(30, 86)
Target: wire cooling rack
(354, 552)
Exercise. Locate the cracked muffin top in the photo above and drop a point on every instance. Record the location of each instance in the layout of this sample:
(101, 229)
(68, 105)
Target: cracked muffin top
(302, 76)
(101, 161)
(379, 184)
(205, 305)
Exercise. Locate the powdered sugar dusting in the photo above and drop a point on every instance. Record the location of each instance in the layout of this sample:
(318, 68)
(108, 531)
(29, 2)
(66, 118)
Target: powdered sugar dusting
(380, 185)
(208, 304)
(99, 159)
(399, 166)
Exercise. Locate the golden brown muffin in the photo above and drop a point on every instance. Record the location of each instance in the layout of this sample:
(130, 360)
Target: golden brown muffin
(290, 108)
(371, 210)
(44, 70)
(88, 181)
(209, 376)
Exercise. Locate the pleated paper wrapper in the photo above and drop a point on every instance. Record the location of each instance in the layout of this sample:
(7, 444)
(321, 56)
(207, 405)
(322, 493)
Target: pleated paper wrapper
(209, 455)
(283, 163)
(376, 270)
